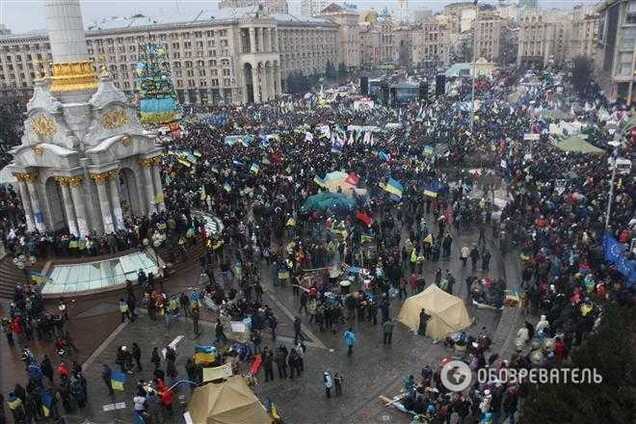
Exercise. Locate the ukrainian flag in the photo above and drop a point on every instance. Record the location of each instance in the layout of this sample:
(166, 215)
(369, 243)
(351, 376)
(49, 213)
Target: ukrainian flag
(47, 403)
(204, 354)
(117, 380)
(430, 193)
(394, 187)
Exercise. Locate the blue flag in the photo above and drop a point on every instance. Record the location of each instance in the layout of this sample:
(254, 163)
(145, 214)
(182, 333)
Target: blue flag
(615, 254)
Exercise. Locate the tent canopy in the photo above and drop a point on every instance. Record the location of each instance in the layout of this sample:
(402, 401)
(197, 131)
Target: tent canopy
(230, 402)
(578, 145)
(448, 313)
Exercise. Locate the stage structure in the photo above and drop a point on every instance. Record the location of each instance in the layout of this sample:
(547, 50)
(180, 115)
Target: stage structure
(85, 162)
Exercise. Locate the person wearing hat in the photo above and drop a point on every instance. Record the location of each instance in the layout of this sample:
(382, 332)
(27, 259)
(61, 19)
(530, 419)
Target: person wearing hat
(328, 383)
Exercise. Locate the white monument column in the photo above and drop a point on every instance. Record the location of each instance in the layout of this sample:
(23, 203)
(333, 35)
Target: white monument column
(73, 76)
(26, 203)
(270, 83)
(275, 39)
(278, 87)
(104, 201)
(114, 195)
(68, 205)
(256, 83)
(75, 184)
(35, 203)
(156, 174)
(252, 40)
(146, 164)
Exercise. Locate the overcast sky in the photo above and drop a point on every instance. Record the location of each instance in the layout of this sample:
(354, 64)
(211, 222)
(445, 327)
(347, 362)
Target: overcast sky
(26, 15)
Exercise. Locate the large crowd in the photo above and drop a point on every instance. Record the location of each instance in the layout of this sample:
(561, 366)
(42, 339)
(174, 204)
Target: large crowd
(551, 207)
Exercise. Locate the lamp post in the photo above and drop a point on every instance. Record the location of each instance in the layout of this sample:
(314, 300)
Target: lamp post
(472, 95)
(611, 192)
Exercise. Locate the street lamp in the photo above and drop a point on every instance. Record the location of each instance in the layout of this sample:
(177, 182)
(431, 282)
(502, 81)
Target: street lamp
(614, 164)
(472, 95)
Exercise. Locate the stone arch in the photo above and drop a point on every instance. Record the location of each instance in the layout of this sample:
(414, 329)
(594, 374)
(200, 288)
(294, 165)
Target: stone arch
(248, 77)
(131, 201)
(55, 214)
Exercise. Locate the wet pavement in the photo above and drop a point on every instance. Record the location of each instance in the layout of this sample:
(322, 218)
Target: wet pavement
(373, 370)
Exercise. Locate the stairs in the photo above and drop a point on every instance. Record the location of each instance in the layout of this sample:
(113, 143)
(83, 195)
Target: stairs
(179, 264)
(10, 275)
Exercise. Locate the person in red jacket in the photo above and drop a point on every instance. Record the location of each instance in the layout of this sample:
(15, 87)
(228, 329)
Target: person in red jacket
(63, 370)
(166, 395)
(560, 350)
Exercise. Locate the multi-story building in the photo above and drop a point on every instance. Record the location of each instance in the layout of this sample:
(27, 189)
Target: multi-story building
(348, 33)
(431, 43)
(584, 33)
(616, 64)
(555, 36)
(306, 45)
(369, 45)
(536, 38)
(460, 16)
(269, 6)
(232, 58)
(488, 36)
(309, 8)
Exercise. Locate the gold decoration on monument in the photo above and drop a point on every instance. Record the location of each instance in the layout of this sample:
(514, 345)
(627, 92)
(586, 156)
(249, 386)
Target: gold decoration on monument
(115, 118)
(74, 76)
(26, 176)
(43, 125)
(149, 162)
(62, 180)
(101, 178)
(74, 181)
(38, 149)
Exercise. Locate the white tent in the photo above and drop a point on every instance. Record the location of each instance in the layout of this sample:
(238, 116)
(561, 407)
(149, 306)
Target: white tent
(448, 313)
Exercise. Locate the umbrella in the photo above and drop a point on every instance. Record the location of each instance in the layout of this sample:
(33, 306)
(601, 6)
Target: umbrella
(339, 180)
(336, 202)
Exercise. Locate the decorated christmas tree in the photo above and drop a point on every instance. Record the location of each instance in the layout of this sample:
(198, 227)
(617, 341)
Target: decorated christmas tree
(157, 97)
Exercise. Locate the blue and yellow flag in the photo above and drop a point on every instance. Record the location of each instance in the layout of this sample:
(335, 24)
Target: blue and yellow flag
(117, 380)
(47, 403)
(204, 354)
(394, 187)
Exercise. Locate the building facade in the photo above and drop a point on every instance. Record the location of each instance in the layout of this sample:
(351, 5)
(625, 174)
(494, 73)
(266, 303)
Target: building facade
(233, 60)
(556, 37)
(431, 43)
(307, 47)
(488, 36)
(310, 8)
(616, 64)
(348, 33)
(269, 6)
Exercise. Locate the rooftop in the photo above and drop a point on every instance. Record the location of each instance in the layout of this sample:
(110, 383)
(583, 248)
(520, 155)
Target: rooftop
(140, 21)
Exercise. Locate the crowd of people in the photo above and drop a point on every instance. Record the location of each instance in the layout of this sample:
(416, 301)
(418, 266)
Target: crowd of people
(418, 176)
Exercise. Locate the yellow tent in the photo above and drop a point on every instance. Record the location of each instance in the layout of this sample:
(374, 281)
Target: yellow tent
(448, 313)
(230, 402)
